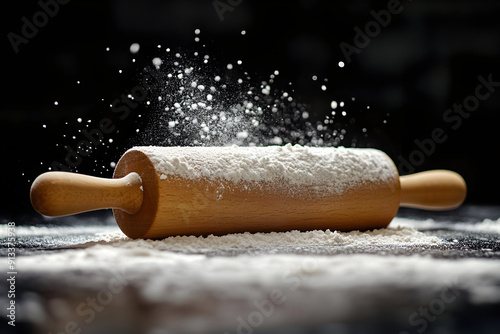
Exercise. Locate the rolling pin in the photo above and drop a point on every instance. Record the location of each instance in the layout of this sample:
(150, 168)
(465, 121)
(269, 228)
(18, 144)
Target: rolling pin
(158, 192)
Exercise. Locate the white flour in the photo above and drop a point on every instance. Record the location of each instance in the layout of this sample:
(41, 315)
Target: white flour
(189, 288)
(485, 226)
(166, 276)
(333, 169)
(389, 236)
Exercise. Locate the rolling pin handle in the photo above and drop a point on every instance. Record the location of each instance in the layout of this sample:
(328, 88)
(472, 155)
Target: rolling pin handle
(433, 190)
(62, 193)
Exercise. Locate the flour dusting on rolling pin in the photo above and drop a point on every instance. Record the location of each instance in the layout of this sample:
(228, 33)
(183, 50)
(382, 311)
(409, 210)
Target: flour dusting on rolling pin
(331, 170)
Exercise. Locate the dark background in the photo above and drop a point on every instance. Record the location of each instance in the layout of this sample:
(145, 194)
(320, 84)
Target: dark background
(428, 58)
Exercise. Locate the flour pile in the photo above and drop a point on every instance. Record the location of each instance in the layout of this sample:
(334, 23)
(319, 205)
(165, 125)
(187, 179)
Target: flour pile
(388, 236)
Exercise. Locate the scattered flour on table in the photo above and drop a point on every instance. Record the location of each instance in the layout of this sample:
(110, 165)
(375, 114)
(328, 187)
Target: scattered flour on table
(331, 169)
(485, 226)
(30, 231)
(393, 235)
(163, 275)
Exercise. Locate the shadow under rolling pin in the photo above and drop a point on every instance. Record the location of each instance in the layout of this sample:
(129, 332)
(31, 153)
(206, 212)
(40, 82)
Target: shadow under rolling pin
(147, 203)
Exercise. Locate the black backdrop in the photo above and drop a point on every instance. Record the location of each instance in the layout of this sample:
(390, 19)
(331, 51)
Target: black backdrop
(423, 57)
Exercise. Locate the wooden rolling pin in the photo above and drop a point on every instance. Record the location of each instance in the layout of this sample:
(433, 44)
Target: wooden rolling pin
(161, 192)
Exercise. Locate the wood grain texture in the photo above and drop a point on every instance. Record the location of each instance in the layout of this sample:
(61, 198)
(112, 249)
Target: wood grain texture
(433, 190)
(139, 224)
(62, 193)
(178, 206)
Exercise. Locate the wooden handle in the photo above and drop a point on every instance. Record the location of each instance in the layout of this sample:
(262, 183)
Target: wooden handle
(62, 193)
(433, 190)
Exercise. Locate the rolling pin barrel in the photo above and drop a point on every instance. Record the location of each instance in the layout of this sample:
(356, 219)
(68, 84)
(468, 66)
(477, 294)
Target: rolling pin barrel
(177, 205)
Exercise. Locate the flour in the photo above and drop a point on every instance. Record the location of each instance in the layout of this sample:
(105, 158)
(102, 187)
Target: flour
(393, 235)
(196, 102)
(335, 169)
(182, 281)
(162, 274)
(485, 226)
